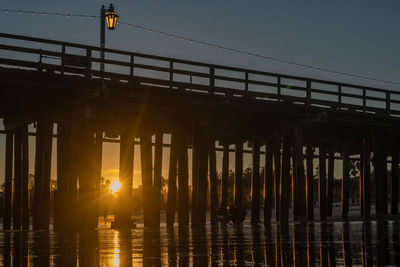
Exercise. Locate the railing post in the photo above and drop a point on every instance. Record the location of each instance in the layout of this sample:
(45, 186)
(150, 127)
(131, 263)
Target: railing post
(62, 59)
(132, 65)
(40, 60)
(171, 73)
(387, 102)
(364, 100)
(340, 97)
(279, 89)
(89, 63)
(246, 82)
(212, 79)
(308, 97)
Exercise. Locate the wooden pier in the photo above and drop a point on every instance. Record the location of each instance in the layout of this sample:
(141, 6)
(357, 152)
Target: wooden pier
(295, 121)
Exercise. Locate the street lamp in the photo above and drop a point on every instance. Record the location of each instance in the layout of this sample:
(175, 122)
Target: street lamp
(111, 18)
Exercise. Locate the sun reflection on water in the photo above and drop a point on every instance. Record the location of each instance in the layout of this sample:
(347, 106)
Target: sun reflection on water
(116, 249)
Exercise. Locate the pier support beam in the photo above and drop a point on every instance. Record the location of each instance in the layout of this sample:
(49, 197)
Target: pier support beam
(98, 157)
(44, 136)
(213, 181)
(268, 182)
(345, 184)
(183, 177)
(146, 164)
(277, 174)
(173, 165)
(331, 168)
(202, 177)
(87, 169)
(310, 183)
(367, 179)
(68, 160)
(322, 184)
(8, 180)
(395, 183)
(158, 150)
(17, 188)
(61, 209)
(255, 188)
(126, 154)
(379, 164)
(25, 177)
(361, 182)
(225, 176)
(285, 185)
(300, 180)
(385, 182)
(195, 173)
(239, 174)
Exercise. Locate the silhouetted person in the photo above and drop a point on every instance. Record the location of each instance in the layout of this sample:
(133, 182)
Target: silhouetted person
(235, 215)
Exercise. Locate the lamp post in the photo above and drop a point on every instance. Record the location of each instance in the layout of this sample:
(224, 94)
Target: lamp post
(111, 18)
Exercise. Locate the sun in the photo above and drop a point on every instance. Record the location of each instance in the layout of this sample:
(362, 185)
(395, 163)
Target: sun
(115, 186)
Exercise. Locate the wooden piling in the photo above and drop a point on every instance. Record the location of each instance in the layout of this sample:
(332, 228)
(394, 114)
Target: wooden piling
(173, 165)
(361, 183)
(202, 178)
(331, 168)
(277, 174)
(310, 183)
(255, 188)
(183, 177)
(126, 156)
(225, 176)
(322, 184)
(268, 182)
(158, 150)
(47, 152)
(213, 181)
(379, 173)
(8, 180)
(367, 179)
(72, 152)
(239, 174)
(16, 205)
(88, 203)
(395, 183)
(300, 176)
(195, 173)
(25, 177)
(345, 184)
(285, 185)
(294, 187)
(146, 164)
(385, 182)
(98, 157)
(60, 203)
(38, 175)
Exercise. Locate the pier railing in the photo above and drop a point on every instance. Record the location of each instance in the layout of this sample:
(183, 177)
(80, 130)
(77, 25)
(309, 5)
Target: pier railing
(67, 58)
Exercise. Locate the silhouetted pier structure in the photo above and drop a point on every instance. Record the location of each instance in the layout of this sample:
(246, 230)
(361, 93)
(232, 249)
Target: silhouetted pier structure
(138, 96)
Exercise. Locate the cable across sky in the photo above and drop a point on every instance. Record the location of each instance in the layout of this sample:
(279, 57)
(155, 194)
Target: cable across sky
(203, 43)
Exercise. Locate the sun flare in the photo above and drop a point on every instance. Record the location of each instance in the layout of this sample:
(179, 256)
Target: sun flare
(115, 186)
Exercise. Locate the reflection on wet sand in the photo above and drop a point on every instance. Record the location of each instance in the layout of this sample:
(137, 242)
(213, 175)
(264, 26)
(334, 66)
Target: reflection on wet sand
(326, 244)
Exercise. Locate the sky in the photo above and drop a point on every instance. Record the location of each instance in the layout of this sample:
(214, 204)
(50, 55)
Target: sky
(359, 37)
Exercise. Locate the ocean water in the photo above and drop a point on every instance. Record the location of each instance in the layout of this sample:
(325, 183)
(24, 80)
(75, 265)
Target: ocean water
(360, 243)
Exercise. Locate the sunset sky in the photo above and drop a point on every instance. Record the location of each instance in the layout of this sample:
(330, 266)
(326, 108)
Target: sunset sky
(359, 37)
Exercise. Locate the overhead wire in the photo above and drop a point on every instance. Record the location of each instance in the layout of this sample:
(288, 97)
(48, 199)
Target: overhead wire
(208, 44)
